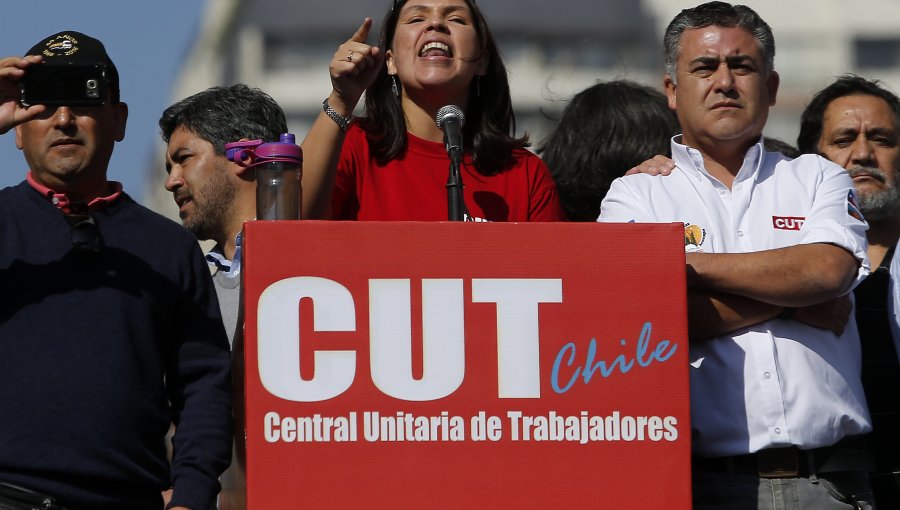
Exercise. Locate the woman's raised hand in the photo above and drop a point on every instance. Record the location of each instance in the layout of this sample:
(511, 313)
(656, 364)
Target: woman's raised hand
(353, 68)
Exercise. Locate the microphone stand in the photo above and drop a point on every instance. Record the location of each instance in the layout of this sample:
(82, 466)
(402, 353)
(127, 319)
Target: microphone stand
(456, 207)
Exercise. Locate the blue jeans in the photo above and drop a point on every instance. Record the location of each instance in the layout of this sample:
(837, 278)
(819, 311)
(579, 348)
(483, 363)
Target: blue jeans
(827, 491)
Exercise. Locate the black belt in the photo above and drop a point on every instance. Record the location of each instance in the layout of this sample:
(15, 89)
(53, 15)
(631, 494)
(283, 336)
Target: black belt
(792, 462)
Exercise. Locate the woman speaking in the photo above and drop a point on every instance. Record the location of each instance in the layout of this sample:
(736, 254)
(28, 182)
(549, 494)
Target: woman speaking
(392, 164)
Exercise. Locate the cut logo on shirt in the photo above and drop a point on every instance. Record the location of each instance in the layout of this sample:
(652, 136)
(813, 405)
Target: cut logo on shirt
(693, 237)
(788, 222)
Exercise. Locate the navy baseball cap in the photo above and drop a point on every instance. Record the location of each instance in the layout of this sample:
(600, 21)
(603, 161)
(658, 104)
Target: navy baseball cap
(74, 48)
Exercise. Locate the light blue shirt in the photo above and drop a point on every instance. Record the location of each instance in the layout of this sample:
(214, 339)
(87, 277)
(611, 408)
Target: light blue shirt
(230, 268)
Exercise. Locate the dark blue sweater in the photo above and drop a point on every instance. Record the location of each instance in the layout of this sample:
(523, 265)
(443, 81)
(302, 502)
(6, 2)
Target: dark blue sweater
(100, 351)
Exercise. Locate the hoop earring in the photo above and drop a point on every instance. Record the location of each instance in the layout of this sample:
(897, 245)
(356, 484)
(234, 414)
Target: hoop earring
(394, 87)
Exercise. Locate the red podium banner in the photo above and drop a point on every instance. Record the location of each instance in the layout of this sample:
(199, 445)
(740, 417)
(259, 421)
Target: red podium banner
(463, 365)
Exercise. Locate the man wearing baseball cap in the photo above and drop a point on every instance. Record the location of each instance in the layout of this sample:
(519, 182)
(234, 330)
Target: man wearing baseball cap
(109, 326)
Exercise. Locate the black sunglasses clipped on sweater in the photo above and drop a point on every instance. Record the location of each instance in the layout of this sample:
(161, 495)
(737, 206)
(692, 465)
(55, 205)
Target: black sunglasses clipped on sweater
(86, 235)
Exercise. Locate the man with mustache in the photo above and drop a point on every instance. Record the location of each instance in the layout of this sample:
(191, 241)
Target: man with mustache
(777, 405)
(855, 122)
(109, 328)
(216, 196)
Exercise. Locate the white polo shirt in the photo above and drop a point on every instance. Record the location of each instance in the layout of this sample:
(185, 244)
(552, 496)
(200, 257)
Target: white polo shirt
(780, 382)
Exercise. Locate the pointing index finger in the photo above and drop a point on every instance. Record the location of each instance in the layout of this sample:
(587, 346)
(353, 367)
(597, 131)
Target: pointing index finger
(362, 33)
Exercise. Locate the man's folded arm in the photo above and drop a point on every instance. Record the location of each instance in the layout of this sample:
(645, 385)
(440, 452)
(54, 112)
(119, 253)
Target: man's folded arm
(793, 276)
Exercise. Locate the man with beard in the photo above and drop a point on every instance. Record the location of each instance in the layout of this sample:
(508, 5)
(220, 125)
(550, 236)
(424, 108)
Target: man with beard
(216, 196)
(856, 123)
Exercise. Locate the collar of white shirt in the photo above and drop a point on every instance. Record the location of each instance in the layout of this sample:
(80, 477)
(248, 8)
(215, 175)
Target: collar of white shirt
(690, 160)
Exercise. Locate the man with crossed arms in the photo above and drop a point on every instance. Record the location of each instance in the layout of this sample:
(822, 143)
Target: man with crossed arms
(776, 398)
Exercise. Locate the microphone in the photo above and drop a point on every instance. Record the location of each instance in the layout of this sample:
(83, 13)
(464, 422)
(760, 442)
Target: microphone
(450, 119)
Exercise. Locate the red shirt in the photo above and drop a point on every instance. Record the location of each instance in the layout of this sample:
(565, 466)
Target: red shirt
(412, 187)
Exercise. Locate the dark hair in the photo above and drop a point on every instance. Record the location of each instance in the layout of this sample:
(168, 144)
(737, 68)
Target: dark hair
(718, 14)
(812, 118)
(605, 130)
(778, 145)
(221, 115)
(490, 123)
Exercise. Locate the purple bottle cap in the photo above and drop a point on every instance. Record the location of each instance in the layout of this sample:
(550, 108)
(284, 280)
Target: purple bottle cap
(284, 150)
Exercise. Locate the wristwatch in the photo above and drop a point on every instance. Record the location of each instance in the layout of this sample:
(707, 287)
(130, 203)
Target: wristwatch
(342, 122)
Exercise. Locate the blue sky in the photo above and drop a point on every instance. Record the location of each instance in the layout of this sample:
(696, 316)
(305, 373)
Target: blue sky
(146, 40)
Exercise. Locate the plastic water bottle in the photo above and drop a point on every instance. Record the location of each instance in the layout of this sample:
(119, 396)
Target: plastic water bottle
(278, 176)
(279, 168)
